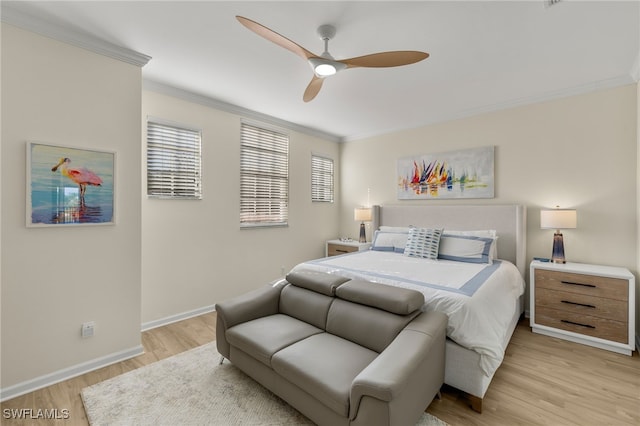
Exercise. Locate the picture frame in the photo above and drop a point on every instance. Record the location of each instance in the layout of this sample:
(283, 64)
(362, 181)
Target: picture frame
(69, 186)
(467, 173)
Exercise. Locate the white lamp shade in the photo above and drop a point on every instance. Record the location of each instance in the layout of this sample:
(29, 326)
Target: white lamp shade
(362, 214)
(558, 219)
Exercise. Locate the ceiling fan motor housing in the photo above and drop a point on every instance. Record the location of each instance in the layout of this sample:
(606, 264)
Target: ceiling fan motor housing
(326, 32)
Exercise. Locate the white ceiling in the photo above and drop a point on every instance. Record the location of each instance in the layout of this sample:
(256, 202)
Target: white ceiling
(484, 55)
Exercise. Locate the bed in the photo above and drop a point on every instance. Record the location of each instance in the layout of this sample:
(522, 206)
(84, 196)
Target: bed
(479, 284)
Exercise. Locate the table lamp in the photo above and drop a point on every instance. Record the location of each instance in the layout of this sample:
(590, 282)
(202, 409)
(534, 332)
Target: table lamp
(558, 219)
(362, 214)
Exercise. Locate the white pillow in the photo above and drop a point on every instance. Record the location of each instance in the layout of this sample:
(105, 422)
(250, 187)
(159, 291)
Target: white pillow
(389, 241)
(465, 248)
(403, 229)
(488, 233)
(423, 243)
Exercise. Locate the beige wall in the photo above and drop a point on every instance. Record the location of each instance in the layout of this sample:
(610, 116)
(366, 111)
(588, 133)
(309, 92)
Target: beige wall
(194, 253)
(54, 279)
(577, 152)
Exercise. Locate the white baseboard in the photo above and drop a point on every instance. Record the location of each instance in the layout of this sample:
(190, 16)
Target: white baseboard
(178, 317)
(68, 373)
(85, 367)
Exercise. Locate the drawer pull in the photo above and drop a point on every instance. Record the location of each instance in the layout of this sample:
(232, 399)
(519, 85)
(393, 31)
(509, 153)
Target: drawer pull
(577, 323)
(578, 304)
(572, 283)
(342, 251)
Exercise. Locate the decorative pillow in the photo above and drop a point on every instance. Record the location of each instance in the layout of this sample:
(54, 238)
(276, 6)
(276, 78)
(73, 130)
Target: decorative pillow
(423, 242)
(487, 233)
(390, 241)
(465, 248)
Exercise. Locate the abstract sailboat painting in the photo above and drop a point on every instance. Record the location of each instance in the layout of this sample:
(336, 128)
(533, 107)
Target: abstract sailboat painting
(69, 186)
(456, 174)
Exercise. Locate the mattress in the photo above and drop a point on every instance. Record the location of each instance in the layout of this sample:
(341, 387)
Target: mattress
(480, 300)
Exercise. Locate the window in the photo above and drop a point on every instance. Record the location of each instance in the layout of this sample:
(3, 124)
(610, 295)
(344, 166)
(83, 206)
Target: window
(173, 162)
(321, 179)
(264, 177)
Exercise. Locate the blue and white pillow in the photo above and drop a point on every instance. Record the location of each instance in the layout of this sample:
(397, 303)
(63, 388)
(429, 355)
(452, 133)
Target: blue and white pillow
(486, 233)
(390, 239)
(466, 248)
(423, 243)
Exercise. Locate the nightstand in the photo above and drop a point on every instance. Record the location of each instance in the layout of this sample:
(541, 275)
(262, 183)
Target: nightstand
(336, 247)
(589, 304)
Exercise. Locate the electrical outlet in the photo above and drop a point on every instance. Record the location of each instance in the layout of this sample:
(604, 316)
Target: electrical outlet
(88, 329)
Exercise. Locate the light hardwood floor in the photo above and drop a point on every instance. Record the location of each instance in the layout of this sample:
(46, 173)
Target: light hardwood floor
(543, 381)
(159, 343)
(548, 381)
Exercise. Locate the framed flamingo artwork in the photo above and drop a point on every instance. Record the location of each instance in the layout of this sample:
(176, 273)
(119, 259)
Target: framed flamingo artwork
(69, 186)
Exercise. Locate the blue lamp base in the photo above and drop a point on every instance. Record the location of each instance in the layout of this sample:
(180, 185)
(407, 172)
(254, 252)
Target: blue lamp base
(363, 235)
(558, 248)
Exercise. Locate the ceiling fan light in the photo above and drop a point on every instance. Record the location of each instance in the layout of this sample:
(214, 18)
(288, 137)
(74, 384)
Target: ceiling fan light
(325, 70)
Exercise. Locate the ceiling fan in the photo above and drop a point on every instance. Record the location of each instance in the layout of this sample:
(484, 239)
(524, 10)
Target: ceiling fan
(325, 65)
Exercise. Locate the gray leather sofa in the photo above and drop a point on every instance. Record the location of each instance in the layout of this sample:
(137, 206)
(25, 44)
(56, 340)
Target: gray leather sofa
(342, 352)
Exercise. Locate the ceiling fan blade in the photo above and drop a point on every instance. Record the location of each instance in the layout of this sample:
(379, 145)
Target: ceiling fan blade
(386, 59)
(313, 88)
(276, 38)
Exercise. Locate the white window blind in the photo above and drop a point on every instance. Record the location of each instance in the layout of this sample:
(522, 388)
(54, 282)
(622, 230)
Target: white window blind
(264, 177)
(321, 179)
(173, 162)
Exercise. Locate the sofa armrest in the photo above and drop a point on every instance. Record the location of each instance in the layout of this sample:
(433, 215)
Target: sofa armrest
(255, 304)
(405, 364)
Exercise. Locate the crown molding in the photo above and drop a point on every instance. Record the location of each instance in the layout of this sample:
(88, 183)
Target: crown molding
(186, 95)
(14, 16)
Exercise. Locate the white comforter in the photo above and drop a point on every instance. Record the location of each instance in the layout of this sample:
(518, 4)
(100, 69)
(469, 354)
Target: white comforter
(479, 321)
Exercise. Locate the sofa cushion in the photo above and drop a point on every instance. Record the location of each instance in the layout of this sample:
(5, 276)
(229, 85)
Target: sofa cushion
(263, 337)
(370, 327)
(401, 301)
(305, 305)
(324, 366)
(320, 282)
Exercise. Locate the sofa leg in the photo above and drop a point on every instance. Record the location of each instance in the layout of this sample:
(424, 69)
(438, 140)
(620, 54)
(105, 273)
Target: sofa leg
(221, 360)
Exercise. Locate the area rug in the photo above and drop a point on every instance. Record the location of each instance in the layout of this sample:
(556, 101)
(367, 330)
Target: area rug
(191, 388)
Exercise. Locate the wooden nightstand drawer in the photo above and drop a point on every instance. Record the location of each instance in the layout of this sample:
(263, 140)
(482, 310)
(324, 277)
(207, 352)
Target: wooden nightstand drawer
(584, 324)
(589, 304)
(612, 309)
(336, 249)
(612, 288)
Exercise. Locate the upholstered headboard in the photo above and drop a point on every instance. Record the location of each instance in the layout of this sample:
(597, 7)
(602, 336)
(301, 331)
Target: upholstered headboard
(509, 221)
